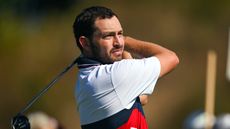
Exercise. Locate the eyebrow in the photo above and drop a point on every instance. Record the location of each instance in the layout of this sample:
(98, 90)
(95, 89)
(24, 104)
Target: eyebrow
(97, 32)
(111, 33)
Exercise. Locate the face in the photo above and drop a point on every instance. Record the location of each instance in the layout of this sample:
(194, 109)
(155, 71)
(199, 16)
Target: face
(107, 44)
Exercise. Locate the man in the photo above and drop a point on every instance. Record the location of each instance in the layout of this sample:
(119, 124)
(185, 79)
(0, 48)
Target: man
(108, 86)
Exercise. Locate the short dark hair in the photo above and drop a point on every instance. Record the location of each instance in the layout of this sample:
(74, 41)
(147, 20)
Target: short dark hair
(84, 22)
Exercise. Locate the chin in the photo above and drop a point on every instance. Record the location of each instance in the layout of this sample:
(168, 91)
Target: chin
(117, 58)
(112, 59)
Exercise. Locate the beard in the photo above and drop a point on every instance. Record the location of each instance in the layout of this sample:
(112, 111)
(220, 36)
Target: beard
(104, 56)
(107, 58)
(110, 57)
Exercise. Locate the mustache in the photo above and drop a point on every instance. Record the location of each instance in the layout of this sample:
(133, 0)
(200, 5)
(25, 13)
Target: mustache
(117, 48)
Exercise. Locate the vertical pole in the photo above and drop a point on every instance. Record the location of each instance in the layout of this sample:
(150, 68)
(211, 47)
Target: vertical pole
(210, 89)
(228, 58)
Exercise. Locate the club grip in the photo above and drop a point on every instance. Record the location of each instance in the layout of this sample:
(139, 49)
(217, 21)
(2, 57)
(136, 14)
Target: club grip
(20, 122)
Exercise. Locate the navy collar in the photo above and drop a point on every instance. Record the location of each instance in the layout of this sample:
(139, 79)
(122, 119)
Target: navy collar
(84, 62)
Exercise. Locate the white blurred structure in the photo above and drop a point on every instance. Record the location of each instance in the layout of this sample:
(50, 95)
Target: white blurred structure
(40, 120)
(196, 120)
(223, 121)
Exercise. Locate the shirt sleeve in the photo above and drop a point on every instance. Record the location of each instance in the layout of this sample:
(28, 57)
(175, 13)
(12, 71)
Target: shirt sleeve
(133, 77)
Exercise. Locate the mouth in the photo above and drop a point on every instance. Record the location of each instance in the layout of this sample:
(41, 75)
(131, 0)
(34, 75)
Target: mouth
(117, 52)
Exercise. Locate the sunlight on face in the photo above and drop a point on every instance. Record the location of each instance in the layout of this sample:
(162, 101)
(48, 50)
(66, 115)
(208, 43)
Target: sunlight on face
(108, 42)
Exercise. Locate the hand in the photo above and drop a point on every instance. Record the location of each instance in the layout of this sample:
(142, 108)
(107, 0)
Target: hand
(20, 122)
(126, 55)
(143, 99)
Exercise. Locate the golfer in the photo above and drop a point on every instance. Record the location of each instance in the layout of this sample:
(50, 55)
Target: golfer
(109, 80)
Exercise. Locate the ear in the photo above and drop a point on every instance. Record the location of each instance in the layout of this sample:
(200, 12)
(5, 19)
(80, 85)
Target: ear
(84, 42)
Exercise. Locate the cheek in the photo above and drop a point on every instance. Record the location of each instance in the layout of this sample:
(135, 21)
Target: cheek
(106, 46)
(122, 40)
(123, 43)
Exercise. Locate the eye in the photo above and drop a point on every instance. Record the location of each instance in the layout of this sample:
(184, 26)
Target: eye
(120, 34)
(107, 36)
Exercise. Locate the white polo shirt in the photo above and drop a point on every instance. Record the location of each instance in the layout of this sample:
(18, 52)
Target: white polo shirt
(103, 90)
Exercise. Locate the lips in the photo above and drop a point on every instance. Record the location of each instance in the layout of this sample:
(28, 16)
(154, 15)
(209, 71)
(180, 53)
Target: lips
(117, 52)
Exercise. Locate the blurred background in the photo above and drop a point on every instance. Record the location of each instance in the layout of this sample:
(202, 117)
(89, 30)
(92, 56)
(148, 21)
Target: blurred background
(37, 43)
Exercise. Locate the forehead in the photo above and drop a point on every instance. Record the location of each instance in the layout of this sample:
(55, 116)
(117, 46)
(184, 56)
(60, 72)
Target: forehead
(108, 24)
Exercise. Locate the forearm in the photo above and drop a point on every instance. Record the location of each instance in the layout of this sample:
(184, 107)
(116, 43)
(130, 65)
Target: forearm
(168, 58)
(143, 48)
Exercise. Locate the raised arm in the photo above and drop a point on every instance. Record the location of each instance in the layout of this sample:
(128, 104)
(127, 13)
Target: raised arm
(143, 98)
(168, 59)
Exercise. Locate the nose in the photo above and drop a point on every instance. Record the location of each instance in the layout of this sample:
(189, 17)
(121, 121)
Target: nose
(117, 40)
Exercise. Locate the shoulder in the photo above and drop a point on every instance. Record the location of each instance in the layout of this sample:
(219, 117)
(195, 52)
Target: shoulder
(132, 67)
(129, 63)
